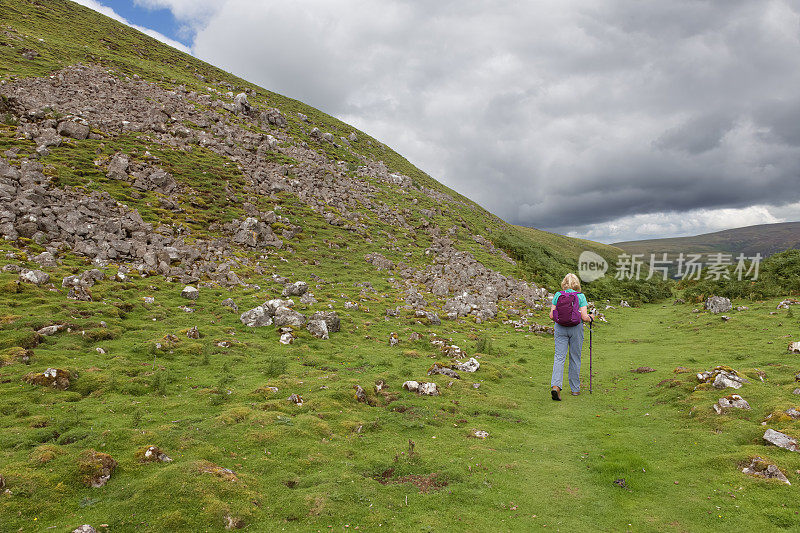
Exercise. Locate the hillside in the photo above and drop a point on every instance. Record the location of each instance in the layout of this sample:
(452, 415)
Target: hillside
(766, 239)
(223, 309)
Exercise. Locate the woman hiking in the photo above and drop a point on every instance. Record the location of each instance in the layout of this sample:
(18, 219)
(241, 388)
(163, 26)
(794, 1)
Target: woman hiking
(569, 312)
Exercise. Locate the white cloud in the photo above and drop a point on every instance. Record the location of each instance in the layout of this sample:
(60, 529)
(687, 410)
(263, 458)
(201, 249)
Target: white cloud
(107, 11)
(694, 222)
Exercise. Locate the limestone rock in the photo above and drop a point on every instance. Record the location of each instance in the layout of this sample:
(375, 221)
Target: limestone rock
(470, 366)
(118, 167)
(228, 302)
(733, 401)
(794, 347)
(48, 331)
(411, 386)
(297, 288)
(428, 389)
(443, 370)
(241, 104)
(781, 440)
(190, 293)
(318, 328)
(55, 378)
(153, 454)
(479, 434)
(37, 277)
(331, 319)
(759, 467)
(285, 316)
(256, 317)
(722, 377)
(74, 129)
(85, 528)
(718, 304)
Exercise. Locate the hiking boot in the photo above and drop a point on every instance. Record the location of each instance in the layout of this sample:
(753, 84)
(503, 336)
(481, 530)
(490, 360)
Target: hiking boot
(576, 393)
(555, 392)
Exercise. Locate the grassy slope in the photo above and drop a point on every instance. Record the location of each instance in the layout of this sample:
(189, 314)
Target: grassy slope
(310, 467)
(766, 239)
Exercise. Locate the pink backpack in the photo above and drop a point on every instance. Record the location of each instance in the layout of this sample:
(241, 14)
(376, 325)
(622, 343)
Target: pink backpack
(568, 309)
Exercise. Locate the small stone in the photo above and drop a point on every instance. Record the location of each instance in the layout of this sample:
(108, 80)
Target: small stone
(643, 370)
(781, 440)
(296, 399)
(190, 293)
(361, 396)
(428, 389)
(286, 338)
(193, 333)
(411, 386)
(48, 331)
(476, 386)
(230, 303)
(380, 385)
(479, 434)
(794, 347)
(85, 528)
(718, 304)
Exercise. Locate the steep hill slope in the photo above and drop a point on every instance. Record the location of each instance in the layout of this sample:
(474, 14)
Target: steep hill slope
(766, 239)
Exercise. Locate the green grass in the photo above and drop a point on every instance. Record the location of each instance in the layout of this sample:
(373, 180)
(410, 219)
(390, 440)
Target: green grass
(319, 465)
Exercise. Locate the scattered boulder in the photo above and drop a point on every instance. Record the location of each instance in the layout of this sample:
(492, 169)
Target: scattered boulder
(55, 378)
(761, 468)
(794, 347)
(228, 302)
(37, 277)
(152, 454)
(331, 319)
(425, 389)
(285, 316)
(438, 368)
(159, 181)
(623, 303)
(233, 522)
(73, 129)
(318, 328)
(722, 377)
(286, 336)
(681, 370)
(296, 399)
(51, 330)
(85, 528)
(380, 385)
(95, 468)
(733, 401)
(470, 366)
(297, 288)
(190, 293)
(394, 339)
(787, 302)
(781, 440)
(796, 391)
(718, 304)
(193, 333)
(118, 167)
(241, 105)
(256, 317)
(643, 370)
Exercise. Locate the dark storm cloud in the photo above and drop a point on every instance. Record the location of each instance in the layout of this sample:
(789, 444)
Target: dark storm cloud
(552, 114)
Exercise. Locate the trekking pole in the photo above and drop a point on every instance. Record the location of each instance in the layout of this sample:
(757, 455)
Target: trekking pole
(590, 355)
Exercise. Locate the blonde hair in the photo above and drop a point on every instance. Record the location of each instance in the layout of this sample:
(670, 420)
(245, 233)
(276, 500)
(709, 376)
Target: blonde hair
(571, 281)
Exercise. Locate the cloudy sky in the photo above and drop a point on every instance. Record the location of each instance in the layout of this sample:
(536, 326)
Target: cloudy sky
(606, 119)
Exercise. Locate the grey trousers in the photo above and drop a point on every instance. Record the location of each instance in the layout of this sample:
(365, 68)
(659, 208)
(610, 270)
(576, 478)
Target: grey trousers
(568, 339)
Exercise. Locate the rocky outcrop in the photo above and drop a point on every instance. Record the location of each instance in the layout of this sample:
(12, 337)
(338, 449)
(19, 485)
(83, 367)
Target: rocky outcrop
(718, 304)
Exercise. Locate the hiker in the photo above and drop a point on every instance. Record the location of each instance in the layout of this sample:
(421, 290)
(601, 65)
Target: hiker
(569, 312)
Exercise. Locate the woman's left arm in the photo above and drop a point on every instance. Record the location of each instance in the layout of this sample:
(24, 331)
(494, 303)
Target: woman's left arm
(552, 310)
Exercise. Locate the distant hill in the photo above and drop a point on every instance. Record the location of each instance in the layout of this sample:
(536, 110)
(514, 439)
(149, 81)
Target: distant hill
(766, 239)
